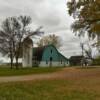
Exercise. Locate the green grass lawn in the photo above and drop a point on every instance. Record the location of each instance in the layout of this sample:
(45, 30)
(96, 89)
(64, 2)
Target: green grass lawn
(87, 88)
(4, 71)
(51, 90)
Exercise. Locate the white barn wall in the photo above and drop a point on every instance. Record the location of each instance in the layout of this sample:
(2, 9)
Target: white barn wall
(27, 55)
(54, 64)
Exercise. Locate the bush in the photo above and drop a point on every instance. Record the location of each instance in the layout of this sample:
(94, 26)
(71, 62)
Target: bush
(96, 61)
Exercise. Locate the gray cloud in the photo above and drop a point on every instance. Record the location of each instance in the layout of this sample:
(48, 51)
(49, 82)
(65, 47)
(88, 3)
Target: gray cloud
(51, 14)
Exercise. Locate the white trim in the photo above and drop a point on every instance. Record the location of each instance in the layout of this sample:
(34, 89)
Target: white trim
(54, 64)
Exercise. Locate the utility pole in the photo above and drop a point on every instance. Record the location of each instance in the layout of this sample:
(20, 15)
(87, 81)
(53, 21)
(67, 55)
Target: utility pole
(82, 47)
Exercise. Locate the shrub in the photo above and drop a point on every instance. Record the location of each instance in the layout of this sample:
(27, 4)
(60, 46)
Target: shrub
(96, 61)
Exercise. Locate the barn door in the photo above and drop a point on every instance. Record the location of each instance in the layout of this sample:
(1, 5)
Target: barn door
(50, 61)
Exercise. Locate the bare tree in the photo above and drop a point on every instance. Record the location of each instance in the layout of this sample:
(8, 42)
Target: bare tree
(7, 36)
(50, 39)
(22, 32)
(13, 31)
(82, 47)
(88, 51)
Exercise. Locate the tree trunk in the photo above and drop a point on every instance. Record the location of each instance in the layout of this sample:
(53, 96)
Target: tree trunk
(11, 63)
(16, 62)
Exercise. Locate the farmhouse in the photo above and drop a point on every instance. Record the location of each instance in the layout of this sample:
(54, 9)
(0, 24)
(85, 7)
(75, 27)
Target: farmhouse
(46, 56)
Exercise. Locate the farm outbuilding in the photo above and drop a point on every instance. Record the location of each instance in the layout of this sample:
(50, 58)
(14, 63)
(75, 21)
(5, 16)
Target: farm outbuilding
(46, 56)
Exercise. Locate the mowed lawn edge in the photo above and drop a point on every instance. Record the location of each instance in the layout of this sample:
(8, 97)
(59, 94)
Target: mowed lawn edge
(5, 71)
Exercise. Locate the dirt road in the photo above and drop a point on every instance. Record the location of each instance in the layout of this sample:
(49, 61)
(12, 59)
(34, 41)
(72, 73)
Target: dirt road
(65, 73)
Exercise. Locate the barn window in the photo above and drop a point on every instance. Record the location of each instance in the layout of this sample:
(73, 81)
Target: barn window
(51, 59)
(51, 51)
(46, 62)
(61, 61)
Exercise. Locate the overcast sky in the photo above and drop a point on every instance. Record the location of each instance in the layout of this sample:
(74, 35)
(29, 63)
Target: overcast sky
(51, 14)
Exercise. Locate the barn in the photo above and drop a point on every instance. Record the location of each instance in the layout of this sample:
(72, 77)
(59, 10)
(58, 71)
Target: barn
(46, 56)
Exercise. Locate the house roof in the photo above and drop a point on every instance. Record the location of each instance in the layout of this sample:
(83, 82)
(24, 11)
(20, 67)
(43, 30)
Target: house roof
(63, 56)
(76, 58)
(38, 51)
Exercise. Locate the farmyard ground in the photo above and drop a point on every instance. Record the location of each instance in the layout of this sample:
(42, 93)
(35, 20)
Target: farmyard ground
(66, 84)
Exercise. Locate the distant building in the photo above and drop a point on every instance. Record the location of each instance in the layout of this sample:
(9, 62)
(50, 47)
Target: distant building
(79, 60)
(46, 56)
(76, 60)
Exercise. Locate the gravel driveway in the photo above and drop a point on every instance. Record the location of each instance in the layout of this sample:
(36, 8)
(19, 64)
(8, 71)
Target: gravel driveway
(65, 73)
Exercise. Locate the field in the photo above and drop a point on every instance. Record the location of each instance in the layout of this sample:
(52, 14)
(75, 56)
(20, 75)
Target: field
(74, 84)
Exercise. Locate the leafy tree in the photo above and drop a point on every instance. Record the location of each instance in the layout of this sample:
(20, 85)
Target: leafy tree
(87, 17)
(50, 39)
